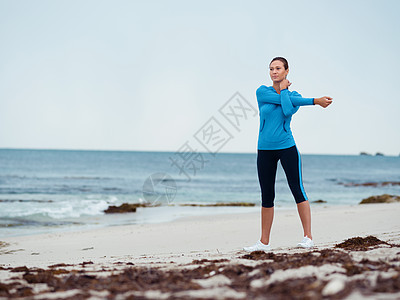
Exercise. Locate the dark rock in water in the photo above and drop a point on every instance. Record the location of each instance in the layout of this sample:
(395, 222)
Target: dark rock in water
(365, 153)
(127, 207)
(124, 208)
(379, 154)
(385, 198)
(360, 244)
(319, 201)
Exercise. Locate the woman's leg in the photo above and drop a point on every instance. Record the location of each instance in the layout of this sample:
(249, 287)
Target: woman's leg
(267, 163)
(291, 163)
(305, 216)
(267, 216)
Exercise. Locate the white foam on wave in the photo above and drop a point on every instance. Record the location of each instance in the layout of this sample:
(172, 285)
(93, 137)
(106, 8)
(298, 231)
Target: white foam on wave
(60, 209)
(76, 209)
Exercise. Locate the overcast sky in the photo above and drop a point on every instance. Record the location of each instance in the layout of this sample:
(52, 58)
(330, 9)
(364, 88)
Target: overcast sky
(147, 75)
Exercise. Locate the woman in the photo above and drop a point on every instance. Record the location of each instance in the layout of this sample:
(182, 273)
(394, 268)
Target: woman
(275, 142)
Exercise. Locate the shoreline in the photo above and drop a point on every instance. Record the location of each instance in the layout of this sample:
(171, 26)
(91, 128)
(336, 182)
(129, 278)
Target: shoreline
(143, 215)
(146, 215)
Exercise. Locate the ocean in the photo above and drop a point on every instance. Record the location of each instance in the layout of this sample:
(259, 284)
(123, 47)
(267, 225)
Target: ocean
(44, 191)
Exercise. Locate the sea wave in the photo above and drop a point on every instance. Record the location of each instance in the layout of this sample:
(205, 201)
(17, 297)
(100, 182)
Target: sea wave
(57, 210)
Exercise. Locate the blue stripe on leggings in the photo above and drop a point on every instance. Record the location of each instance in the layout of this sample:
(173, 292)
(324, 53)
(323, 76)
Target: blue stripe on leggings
(301, 179)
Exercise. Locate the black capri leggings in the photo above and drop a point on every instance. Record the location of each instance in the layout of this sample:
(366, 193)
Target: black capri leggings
(267, 161)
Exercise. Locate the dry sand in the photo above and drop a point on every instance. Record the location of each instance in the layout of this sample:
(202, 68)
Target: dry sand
(213, 243)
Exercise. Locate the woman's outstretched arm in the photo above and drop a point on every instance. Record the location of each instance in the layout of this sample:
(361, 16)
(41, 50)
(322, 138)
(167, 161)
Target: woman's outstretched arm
(265, 95)
(287, 102)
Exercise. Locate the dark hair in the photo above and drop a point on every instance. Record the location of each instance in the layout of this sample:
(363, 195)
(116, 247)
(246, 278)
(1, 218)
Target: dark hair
(282, 59)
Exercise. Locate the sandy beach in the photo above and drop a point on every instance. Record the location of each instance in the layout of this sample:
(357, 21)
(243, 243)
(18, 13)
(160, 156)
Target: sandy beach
(213, 243)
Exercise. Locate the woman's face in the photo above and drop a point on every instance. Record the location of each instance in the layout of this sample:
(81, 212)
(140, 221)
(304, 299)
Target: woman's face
(277, 71)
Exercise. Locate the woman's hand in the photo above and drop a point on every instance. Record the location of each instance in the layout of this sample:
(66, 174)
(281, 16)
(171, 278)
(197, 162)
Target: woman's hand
(284, 84)
(323, 101)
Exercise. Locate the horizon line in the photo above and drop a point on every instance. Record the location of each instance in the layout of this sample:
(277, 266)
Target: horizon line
(168, 151)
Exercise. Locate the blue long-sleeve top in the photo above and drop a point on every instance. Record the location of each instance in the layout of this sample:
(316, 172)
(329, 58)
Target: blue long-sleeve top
(276, 112)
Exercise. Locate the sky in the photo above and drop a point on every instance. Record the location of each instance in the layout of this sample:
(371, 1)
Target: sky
(148, 75)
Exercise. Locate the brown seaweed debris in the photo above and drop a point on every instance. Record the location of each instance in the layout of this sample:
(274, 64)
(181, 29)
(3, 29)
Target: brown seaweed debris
(60, 265)
(220, 204)
(294, 288)
(388, 285)
(385, 198)
(131, 279)
(296, 260)
(83, 264)
(137, 280)
(373, 184)
(20, 269)
(202, 261)
(365, 265)
(360, 244)
(259, 255)
(3, 244)
(15, 289)
(41, 276)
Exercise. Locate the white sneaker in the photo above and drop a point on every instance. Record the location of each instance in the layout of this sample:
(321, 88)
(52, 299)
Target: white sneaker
(306, 243)
(257, 247)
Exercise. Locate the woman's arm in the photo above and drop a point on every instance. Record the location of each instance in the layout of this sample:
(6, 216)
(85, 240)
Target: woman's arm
(265, 95)
(324, 101)
(287, 105)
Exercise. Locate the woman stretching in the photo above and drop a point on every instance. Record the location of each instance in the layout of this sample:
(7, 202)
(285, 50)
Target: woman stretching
(275, 142)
